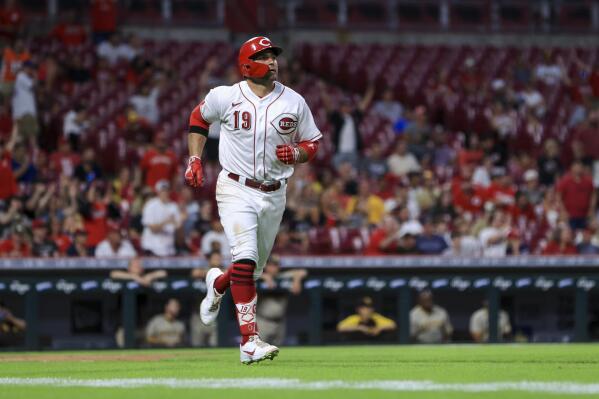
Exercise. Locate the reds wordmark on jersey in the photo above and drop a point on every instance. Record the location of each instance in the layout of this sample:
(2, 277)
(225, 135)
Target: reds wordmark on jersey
(252, 127)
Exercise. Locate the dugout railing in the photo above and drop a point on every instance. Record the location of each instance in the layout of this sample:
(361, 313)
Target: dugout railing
(399, 277)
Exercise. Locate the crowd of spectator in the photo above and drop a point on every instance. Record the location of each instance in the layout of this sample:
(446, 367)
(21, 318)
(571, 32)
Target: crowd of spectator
(434, 191)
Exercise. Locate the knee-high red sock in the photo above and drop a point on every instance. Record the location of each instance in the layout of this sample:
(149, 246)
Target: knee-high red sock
(243, 290)
(223, 281)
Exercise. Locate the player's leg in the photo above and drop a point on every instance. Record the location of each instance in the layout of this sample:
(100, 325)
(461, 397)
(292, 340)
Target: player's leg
(273, 207)
(239, 220)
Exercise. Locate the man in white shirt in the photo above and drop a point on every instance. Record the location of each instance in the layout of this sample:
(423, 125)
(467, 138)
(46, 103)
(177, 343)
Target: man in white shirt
(114, 246)
(109, 49)
(74, 125)
(24, 109)
(429, 323)
(145, 103)
(533, 100)
(494, 239)
(129, 48)
(160, 218)
(402, 162)
(548, 71)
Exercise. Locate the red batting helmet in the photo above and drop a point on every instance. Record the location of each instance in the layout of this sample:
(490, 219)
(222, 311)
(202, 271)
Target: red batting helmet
(247, 66)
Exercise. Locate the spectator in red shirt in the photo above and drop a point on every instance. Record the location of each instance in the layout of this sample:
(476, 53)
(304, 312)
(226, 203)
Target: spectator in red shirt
(385, 239)
(8, 183)
(473, 154)
(159, 163)
(11, 20)
(17, 245)
(501, 191)
(103, 18)
(94, 211)
(70, 32)
(588, 134)
(562, 243)
(62, 240)
(578, 196)
(64, 161)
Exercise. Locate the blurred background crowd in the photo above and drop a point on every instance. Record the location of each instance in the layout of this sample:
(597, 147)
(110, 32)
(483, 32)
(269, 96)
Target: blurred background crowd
(428, 150)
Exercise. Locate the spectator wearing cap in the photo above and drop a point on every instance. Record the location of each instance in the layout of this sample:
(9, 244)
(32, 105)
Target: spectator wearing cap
(430, 243)
(366, 324)
(79, 245)
(577, 195)
(501, 191)
(429, 323)
(42, 246)
(114, 246)
(532, 190)
(159, 162)
(407, 243)
(272, 309)
(161, 218)
(24, 108)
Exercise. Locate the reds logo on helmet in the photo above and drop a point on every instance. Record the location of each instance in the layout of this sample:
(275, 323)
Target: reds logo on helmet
(285, 123)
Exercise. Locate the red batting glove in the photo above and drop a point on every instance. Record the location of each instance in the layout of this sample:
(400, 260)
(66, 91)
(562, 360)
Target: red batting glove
(193, 173)
(288, 154)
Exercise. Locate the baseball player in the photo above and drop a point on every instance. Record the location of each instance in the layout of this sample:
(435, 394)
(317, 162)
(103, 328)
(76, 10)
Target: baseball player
(266, 128)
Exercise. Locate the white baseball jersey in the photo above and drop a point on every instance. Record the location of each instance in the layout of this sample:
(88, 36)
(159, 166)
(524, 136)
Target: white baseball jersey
(252, 127)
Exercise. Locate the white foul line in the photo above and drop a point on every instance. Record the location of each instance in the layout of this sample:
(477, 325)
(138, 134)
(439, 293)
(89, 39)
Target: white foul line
(573, 388)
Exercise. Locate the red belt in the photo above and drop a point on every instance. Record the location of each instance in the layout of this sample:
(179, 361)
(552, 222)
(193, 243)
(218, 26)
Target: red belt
(266, 187)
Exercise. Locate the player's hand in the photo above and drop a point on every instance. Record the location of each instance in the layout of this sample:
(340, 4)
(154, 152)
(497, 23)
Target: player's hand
(288, 154)
(193, 174)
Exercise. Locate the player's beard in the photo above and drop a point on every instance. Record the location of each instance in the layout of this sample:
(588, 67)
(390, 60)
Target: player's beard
(267, 80)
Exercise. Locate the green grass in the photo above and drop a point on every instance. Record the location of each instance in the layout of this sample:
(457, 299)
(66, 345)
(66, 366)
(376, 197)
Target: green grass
(442, 364)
